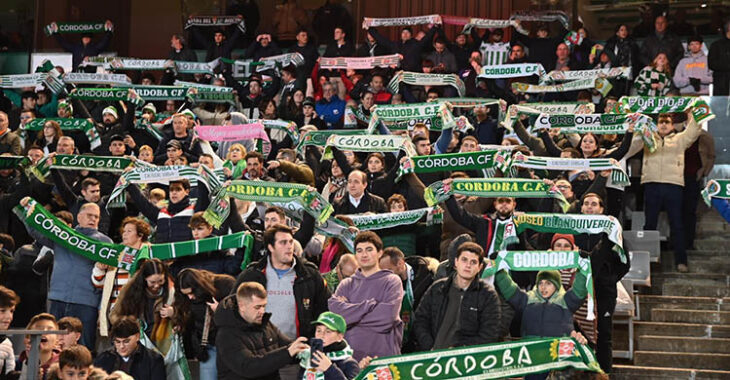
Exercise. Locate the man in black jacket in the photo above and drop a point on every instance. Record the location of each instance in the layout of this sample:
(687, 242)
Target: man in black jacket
(128, 355)
(408, 46)
(359, 200)
(460, 310)
(249, 345)
(719, 62)
(339, 47)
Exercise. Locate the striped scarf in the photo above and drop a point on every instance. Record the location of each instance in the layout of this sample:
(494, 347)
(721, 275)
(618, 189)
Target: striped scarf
(66, 124)
(423, 79)
(491, 188)
(618, 175)
(97, 78)
(162, 174)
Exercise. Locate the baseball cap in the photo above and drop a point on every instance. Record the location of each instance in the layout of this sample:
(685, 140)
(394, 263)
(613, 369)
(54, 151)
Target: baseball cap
(308, 101)
(332, 321)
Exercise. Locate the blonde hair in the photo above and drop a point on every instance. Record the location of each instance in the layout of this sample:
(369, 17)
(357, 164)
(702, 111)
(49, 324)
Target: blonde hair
(239, 146)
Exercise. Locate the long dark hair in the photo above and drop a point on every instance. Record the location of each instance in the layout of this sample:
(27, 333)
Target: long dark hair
(133, 296)
(202, 285)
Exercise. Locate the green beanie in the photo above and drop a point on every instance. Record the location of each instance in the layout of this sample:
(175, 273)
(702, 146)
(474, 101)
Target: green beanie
(552, 276)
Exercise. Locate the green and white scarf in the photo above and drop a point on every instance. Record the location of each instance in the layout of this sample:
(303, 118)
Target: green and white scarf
(618, 175)
(22, 80)
(285, 60)
(392, 113)
(216, 21)
(423, 79)
(319, 138)
(107, 94)
(161, 92)
(311, 373)
(601, 85)
(245, 68)
(82, 162)
(188, 67)
(210, 95)
(264, 191)
(534, 261)
(434, 215)
(545, 16)
(94, 78)
(76, 27)
(485, 159)
(66, 125)
(483, 23)
(289, 127)
(368, 143)
(359, 63)
(611, 72)
(145, 125)
(161, 174)
(511, 70)
(491, 188)
(573, 224)
(138, 64)
(469, 102)
(549, 108)
(716, 188)
(488, 361)
(13, 162)
(667, 104)
(401, 21)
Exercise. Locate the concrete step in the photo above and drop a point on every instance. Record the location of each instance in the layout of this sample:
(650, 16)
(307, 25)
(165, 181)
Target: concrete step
(647, 303)
(691, 316)
(717, 279)
(719, 265)
(682, 360)
(683, 344)
(630, 372)
(681, 329)
(712, 244)
(689, 290)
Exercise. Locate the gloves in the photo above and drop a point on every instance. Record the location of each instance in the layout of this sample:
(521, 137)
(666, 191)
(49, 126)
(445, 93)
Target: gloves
(6, 352)
(695, 83)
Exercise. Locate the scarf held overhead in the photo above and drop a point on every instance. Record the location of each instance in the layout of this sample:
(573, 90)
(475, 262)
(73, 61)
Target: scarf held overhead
(491, 188)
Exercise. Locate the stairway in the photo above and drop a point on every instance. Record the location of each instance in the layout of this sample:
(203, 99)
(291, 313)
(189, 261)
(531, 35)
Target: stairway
(683, 331)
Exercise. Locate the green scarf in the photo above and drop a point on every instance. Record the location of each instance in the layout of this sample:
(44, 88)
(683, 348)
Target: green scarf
(66, 125)
(423, 79)
(486, 159)
(511, 70)
(488, 361)
(137, 64)
(667, 104)
(493, 187)
(107, 94)
(161, 92)
(187, 67)
(401, 21)
(550, 108)
(162, 174)
(573, 224)
(264, 191)
(289, 127)
(618, 175)
(95, 78)
(392, 113)
(210, 95)
(368, 143)
(469, 102)
(369, 222)
(82, 162)
(311, 373)
(319, 138)
(145, 125)
(611, 72)
(75, 27)
(716, 188)
(13, 162)
(236, 169)
(602, 85)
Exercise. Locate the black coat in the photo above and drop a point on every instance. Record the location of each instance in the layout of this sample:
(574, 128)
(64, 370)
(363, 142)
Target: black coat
(146, 364)
(369, 202)
(478, 318)
(346, 50)
(411, 49)
(719, 62)
(310, 292)
(246, 350)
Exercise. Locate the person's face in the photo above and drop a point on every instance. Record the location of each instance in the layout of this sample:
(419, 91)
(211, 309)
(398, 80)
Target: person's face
(460, 40)
(591, 206)
(469, 146)
(367, 255)
(302, 38)
(546, 289)
(432, 96)
(178, 192)
(355, 184)
(397, 207)
(173, 153)
(495, 37)
(126, 346)
(339, 34)
(25, 117)
(42, 98)
(562, 51)
(219, 37)
(253, 167)
(660, 24)
(62, 112)
(695, 47)
(270, 109)
(71, 373)
(661, 61)
(85, 40)
(130, 235)
(48, 342)
(254, 88)
(419, 131)
(504, 206)
(179, 126)
(350, 156)
(174, 42)
(480, 112)
(3, 122)
(328, 91)
(468, 265)
(398, 268)
(154, 283)
(29, 103)
(665, 126)
(375, 165)
(252, 309)
(49, 132)
(371, 39)
(588, 145)
(146, 155)
(282, 252)
(170, 106)
(265, 41)
(565, 188)
(68, 340)
(405, 35)
(439, 47)
(328, 336)
(308, 110)
(542, 33)
(235, 153)
(622, 32)
(346, 270)
(517, 52)
(117, 148)
(562, 245)
(108, 119)
(146, 81)
(610, 104)
(65, 146)
(336, 170)
(92, 193)
(6, 317)
(188, 292)
(423, 148)
(377, 83)
(206, 161)
(367, 101)
(298, 97)
(201, 231)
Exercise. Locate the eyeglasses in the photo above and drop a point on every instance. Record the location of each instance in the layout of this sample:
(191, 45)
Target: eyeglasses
(25, 117)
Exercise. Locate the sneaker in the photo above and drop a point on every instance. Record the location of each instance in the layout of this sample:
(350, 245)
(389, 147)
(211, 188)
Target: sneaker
(682, 268)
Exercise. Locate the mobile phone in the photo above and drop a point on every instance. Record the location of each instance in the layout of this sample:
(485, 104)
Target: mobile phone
(315, 344)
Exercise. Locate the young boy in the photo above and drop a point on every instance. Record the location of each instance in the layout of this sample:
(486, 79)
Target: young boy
(213, 261)
(47, 347)
(74, 363)
(335, 360)
(8, 301)
(74, 327)
(129, 355)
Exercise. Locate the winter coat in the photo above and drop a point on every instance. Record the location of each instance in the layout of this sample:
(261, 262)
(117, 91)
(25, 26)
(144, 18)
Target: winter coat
(694, 66)
(668, 43)
(719, 62)
(368, 203)
(146, 364)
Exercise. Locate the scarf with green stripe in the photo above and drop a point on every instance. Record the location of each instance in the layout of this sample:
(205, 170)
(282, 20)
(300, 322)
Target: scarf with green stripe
(66, 125)
(549, 108)
(138, 64)
(401, 21)
(162, 174)
(423, 79)
(483, 23)
(82, 162)
(716, 188)
(264, 191)
(511, 70)
(618, 175)
(491, 188)
(289, 127)
(359, 63)
(434, 215)
(22, 80)
(161, 92)
(470, 102)
(487, 361)
(151, 128)
(118, 255)
(319, 138)
(75, 27)
(310, 372)
(436, 115)
(96, 78)
(611, 72)
(210, 95)
(13, 162)
(368, 143)
(572, 224)
(479, 160)
(601, 85)
(544, 16)
(107, 94)
(667, 104)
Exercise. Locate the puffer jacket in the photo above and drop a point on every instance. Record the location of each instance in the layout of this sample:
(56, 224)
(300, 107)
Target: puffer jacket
(245, 350)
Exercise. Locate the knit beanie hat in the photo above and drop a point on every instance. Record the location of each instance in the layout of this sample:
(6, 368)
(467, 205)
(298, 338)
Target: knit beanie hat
(550, 275)
(567, 237)
(110, 110)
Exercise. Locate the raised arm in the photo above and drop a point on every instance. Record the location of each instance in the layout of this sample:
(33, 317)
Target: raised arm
(619, 153)
(463, 217)
(149, 210)
(550, 146)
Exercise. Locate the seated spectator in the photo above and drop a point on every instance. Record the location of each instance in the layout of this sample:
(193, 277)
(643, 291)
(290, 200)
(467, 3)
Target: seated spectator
(47, 348)
(655, 79)
(129, 355)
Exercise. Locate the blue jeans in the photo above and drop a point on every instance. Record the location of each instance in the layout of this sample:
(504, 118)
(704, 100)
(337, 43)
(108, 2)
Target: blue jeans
(87, 314)
(658, 196)
(208, 370)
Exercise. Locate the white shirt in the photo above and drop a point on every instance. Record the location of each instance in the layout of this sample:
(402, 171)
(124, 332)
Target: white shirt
(355, 202)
